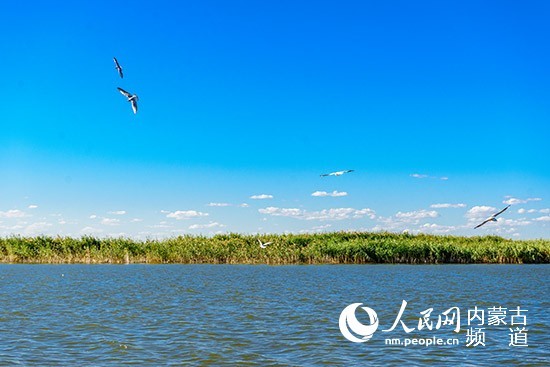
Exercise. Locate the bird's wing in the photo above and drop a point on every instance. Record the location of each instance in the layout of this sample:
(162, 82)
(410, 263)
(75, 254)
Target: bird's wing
(349, 170)
(260, 242)
(124, 93)
(482, 223)
(134, 105)
(494, 215)
(324, 175)
(118, 67)
(267, 243)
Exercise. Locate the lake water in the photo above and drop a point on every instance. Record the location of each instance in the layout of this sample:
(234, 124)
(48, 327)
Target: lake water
(101, 315)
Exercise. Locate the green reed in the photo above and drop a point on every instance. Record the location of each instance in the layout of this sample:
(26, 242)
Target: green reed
(325, 248)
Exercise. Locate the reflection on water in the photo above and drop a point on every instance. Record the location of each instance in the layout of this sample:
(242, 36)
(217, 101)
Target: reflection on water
(257, 315)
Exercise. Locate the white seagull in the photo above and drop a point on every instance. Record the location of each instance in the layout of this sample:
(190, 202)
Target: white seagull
(337, 173)
(132, 98)
(118, 67)
(264, 245)
(492, 218)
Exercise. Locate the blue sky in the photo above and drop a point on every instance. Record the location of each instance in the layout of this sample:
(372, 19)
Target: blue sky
(441, 108)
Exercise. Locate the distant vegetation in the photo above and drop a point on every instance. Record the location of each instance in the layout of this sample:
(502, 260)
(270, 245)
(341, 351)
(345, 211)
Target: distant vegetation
(327, 248)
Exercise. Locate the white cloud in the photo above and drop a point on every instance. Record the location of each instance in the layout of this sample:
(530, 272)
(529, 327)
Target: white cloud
(437, 228)
(512, 222)
(512, 201)
(218, 204)
(419, 214)
(37, 228)
(420, 175)
(13, 213)
(33, 206)
(261, 197)
(447, 205)
(90, 230)
(185, 214)
(333, 194)
(118, 212)
(545, 218)
(244, 205)
(162, 224)
(480, 212)
(209, 225)
(362, 212)
(110, 221)
(134, 220)
(544, 211)
(93, 216)
(523, 211)
(325, 214)
(316, 229)
(319, 228)
(13, 228)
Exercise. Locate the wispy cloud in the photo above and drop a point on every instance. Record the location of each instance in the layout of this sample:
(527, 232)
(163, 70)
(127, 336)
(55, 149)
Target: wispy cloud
(512, 200)
(418, 214)
(316, 229)
(90, 230)
(545, 218)
(37, 228)
(13, 213)
(437, 228)
(261, 197)
(479, 212)
(110, 221)
(33, 206)
(118, 212)
(185, 214)
(134, 220)
(218, 204)
(332, 194)
(420, 175)
(447, 205)
(244, 205)
(209, 225)
(322, 215)
(411, 222)
(162, 224)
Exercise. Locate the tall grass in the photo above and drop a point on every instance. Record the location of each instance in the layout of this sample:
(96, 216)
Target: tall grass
(327, 248)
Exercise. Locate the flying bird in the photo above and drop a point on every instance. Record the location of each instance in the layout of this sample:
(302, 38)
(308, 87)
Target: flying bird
(492, 218)
(337, 173)
(132, 98)
(118, 67)
(264, 245)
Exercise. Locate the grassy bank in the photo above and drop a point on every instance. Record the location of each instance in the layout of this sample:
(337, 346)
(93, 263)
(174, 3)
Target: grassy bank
(327, 248)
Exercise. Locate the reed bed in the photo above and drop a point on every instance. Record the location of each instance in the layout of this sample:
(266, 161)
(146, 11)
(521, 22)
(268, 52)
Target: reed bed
(326, 248)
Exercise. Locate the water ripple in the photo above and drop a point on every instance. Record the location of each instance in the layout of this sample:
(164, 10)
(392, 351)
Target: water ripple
(228, 315)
